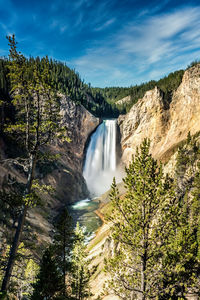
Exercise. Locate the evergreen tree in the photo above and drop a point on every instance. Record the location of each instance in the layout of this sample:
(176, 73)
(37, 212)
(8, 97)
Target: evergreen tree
(37, 114)
(80, 272)
(48, 281)
(155, 231)
(180, 262)
(63, 239)
(137, 218)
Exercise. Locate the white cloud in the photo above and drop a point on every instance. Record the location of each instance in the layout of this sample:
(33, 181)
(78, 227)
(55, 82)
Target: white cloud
(158, 43)
(105, 25)
(159, 35)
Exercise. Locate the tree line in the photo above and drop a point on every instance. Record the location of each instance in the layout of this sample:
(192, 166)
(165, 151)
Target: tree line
(99, 101)
(168, 85)
(63, 80)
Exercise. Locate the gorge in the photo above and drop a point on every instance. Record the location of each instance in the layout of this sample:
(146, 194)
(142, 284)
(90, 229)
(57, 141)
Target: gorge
(79, 177)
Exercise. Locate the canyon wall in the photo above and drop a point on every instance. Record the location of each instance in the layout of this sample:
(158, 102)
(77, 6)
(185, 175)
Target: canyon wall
(64, 174)
(67, 178)
(165, 123)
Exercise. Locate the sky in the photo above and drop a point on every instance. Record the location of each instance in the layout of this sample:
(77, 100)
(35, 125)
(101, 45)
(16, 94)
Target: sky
(108, 42)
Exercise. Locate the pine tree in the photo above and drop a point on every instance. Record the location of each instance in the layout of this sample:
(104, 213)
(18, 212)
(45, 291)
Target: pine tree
(48, 281)
(180, 262)
(156, 234)
(137, 218)
(80, 272)
(63, 239)
(37, 115)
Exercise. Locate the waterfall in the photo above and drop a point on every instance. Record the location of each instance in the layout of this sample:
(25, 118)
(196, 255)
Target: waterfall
(100, 162)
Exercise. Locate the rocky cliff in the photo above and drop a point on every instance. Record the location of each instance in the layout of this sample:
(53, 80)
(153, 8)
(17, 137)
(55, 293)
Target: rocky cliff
(64, 174)
(166, 124)
(67, 177)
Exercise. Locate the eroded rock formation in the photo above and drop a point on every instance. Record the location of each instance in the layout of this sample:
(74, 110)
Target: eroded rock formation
(67, 178)
(166, 124)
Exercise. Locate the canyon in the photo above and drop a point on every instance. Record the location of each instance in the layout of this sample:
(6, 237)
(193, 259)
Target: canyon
(166, 123)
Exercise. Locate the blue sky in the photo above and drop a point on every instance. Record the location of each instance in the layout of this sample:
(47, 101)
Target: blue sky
(109, 42)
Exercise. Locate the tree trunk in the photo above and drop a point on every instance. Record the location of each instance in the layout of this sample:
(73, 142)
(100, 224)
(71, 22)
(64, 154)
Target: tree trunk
(64, 262)
(18, 233)
(144, 256)
(143, 277)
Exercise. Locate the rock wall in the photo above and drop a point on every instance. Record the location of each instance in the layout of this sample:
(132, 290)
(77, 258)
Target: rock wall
(67, 178)
(64, 175)
(165, 124)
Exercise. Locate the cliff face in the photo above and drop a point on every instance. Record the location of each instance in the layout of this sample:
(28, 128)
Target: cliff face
(64, 175)
(165, 124)
(67, 178)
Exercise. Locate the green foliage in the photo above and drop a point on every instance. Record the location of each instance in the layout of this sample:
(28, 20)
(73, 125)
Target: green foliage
(195, 207)
(186, 161)
(48, 280)
(62, 79)
(36, 104)
(64, 270)
(99, 101)
(168, 84)
(63, 240)
(155, 253)
(37, 124)
(24, 272)
(80, 272)
(180, 263)
(193, 63)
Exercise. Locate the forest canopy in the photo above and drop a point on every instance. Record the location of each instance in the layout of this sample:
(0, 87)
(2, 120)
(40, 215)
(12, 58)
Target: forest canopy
(102, 102)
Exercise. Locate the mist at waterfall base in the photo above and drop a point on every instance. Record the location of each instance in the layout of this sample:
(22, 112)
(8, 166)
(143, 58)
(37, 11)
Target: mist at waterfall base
(99, 169)
(101, 161)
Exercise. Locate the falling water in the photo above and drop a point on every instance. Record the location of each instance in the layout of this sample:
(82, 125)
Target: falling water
(100, 162)
(99, 169)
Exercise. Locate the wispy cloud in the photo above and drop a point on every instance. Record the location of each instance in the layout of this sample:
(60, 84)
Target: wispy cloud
(105, 25)
(107, 42)
(160, 35)
(146, 46)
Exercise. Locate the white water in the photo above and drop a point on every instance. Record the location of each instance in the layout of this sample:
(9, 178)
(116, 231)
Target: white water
(100, 162)
(80, 204)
